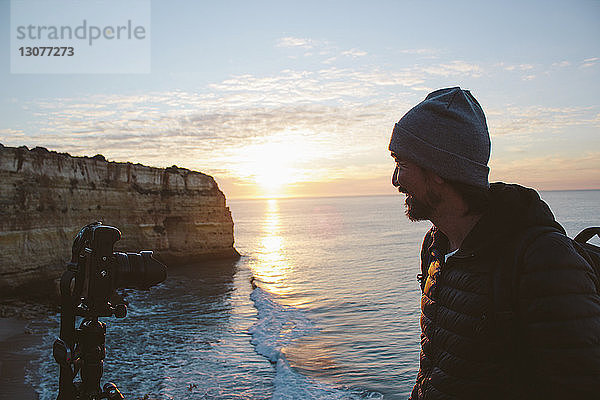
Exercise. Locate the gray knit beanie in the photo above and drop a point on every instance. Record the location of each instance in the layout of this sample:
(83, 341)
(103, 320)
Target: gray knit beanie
(447, 134)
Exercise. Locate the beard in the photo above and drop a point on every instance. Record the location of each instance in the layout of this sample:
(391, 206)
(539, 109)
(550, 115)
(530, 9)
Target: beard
(421, 209)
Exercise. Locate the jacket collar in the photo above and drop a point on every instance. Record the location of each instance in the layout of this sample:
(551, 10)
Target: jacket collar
(513, 208)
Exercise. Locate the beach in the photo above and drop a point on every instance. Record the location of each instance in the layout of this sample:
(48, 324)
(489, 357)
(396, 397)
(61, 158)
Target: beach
(14, 339)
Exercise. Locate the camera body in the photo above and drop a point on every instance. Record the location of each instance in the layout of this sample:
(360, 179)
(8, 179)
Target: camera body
(100, 271)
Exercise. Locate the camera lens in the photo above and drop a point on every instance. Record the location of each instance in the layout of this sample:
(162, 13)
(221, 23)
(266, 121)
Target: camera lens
(138, 270)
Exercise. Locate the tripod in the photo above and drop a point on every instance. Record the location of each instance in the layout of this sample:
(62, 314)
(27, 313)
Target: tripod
(82, 350)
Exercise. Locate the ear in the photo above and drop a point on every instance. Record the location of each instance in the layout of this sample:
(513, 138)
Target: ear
(437, 179)
(432, 176)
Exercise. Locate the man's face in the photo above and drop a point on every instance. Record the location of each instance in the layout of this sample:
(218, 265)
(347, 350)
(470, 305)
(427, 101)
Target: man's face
(413, 181)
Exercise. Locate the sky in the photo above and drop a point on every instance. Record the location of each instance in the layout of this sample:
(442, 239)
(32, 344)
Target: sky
(299, 98)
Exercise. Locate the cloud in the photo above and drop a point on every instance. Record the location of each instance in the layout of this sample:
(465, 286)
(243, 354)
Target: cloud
(421, 52)
(537, 119)
(354, 53)
(590, 62)
(13, 137)
(329, 52)
(11, 132)
(517, 67)
(289, 41)
(453, 68)
(525, 70)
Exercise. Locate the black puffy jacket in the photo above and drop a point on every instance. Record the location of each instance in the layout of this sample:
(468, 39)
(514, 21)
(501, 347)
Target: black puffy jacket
(552, 350)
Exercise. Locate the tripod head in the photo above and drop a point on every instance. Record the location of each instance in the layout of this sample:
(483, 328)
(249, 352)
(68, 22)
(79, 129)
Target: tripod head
(88, 289)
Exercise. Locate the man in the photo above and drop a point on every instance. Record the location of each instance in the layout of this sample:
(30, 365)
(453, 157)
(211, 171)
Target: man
(504, 315)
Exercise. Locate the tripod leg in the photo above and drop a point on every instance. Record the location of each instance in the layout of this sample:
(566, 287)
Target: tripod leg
(63, 347)
(66, 389)
(92, 334)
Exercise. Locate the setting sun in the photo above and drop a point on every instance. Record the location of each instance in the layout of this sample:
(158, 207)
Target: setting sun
(273, 168)
(275, 165)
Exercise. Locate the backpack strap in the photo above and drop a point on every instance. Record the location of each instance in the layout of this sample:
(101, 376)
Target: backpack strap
(587, 234)
(590, 252)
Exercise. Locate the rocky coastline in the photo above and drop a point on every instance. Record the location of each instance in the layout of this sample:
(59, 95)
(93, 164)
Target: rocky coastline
(46, 197)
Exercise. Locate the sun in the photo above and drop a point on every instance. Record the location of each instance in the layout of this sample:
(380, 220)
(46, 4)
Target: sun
(275, 165)
(272, 167)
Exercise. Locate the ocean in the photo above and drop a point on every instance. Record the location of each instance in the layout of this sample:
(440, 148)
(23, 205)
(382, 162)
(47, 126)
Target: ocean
(323, 304)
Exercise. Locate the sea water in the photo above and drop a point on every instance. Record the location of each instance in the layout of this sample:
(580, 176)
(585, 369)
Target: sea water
(323, 304)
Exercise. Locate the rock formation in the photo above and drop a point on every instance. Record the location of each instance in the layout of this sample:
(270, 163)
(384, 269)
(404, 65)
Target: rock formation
(47, 197)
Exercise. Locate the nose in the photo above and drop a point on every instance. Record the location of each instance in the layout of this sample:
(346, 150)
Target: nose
(395, 182)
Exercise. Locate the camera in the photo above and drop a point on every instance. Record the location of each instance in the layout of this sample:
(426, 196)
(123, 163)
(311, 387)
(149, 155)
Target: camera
(100, 271)
(88, 289)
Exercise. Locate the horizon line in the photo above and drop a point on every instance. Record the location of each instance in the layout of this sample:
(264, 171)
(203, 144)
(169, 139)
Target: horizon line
(376, 195)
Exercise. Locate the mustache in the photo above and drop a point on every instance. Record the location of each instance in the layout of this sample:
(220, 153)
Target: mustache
(403, 190)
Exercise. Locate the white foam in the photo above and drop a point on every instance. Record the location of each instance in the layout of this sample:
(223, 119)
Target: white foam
(277, 327)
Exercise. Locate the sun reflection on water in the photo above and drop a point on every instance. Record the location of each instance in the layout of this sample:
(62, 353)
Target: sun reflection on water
(271, 266)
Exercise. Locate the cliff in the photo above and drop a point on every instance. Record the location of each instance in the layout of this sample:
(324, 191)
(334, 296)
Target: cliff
(47, 197)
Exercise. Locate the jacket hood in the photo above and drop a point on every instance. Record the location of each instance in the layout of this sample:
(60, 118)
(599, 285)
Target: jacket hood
(513, 208)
